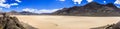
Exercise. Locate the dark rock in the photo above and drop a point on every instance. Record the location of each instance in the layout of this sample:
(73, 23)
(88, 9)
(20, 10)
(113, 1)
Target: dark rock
(112, 26)
(116, 26)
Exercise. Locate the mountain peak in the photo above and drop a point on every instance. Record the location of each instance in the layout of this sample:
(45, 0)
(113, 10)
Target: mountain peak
(111, 5)
(94, 3)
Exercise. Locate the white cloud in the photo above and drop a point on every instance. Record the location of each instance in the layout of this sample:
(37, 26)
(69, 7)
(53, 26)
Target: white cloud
(117, 2)
(1, 10)
(118, 6)
(2, 4)
(61, 0)
(79, 1)
(40, 11)
(18, 0)
(47, 11)
(2, 1)
(14, 4)
(89, 0)
(29, 9)
(104, 1)
(5, 5)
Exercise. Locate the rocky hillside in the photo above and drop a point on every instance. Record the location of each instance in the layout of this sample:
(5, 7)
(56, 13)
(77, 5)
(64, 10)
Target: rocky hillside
(8, 22)
(112, 26)
(91, 9)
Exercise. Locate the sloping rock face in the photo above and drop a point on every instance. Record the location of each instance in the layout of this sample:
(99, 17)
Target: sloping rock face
(116, 26)
(92, 9)
(7, 22)
(104, 27)
(27, 26)
(112, 26)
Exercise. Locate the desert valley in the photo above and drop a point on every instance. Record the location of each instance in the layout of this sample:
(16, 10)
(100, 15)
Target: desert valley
(60, 14)
(66, 22)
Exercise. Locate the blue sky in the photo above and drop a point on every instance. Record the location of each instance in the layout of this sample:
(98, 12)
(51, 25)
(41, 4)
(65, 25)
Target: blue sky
(46, 5)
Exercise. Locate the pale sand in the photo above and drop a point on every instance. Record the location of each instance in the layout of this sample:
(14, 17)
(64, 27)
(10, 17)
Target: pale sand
(67, 22)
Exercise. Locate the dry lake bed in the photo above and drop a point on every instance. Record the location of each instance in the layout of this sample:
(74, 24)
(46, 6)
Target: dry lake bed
(66, 22)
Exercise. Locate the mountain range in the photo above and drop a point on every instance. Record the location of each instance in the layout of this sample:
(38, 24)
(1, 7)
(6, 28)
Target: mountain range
(91, 9)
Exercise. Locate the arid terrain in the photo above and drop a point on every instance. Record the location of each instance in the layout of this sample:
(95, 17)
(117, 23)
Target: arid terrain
(66, 22)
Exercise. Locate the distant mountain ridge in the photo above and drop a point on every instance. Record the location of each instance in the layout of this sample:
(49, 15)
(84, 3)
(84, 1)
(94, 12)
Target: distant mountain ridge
(92, 9)
(13, 12)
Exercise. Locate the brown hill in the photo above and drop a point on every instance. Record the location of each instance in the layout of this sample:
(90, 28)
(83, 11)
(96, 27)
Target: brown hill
(91, 9)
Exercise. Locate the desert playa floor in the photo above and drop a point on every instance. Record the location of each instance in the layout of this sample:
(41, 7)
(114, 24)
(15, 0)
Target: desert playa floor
(66, 22)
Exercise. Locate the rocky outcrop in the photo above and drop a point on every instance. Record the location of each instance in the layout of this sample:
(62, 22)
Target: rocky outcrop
(104, 27)
(27, 26)
(91, 9)
(116, 26)
(112, 26)
(8, 22)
